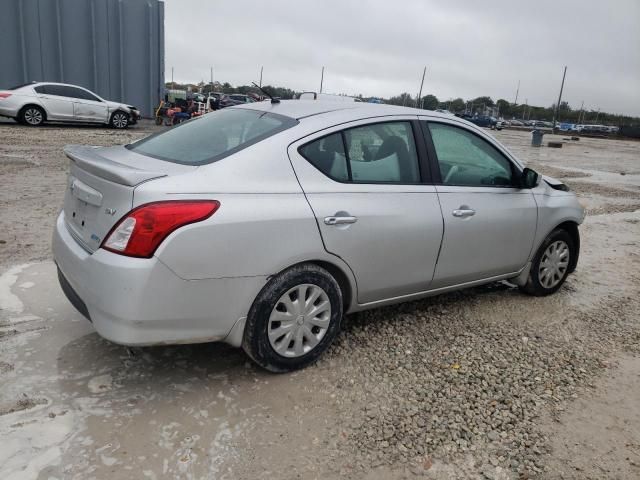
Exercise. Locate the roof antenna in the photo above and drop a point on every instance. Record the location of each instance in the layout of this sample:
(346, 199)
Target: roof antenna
(273, 100)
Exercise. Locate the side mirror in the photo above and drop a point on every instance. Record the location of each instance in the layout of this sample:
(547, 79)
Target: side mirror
(529, 179)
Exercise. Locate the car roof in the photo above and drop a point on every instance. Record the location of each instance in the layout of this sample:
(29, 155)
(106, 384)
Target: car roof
(299, 109)
(52, 83)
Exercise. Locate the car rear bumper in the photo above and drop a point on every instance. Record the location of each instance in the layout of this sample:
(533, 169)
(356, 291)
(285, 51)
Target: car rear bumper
(135, 301)
(8, 112)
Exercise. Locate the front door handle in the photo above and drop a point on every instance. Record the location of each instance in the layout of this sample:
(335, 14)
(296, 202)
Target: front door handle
(340, 220)
(464, 212)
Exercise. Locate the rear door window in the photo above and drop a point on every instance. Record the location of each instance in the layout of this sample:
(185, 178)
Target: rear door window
(327, 154)
(81, 94)
(376, 153)
(59, 90)
(213, 136)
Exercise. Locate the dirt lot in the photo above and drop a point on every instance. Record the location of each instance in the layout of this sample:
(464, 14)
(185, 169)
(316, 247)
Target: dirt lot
(484, 383)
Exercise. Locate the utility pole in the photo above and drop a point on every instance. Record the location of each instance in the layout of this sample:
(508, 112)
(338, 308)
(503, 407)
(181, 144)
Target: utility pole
(260, 84)
(421, 84)
(515, 102)
(173, 85)
(555, 114)
(580, 114)
(321, 79)
(212, 79)
(597, 115)
(524, 110)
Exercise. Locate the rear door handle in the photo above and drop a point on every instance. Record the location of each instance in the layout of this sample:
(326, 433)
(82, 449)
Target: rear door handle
(464, 212)
(339, 220)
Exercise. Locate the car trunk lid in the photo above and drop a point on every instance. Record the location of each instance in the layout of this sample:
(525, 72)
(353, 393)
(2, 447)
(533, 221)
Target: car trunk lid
(101, 185)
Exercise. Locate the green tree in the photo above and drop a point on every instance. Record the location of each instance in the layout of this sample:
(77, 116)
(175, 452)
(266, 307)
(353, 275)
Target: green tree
(404, 99)
(456, 105)
(505, 108)
(429, 102)
(478, 102)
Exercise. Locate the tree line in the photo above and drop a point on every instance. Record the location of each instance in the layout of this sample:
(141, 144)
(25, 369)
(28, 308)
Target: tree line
(479, 105)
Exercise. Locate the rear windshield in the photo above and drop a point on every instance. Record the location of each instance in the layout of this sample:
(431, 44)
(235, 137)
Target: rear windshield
(213, 136)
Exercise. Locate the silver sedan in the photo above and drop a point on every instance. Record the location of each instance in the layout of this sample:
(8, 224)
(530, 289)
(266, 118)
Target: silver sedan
(35, 103)
(262, 225)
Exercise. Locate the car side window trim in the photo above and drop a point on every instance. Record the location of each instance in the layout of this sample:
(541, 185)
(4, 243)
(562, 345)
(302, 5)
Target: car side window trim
(424, 172)
(434, 161)
(430, 153)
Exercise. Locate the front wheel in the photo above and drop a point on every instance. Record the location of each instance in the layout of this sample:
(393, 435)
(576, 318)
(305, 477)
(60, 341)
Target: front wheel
(119, 120)
(551, 264)
(294, 319)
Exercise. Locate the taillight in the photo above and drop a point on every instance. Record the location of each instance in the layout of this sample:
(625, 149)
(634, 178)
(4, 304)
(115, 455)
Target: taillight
(142, 230)
(4, 95)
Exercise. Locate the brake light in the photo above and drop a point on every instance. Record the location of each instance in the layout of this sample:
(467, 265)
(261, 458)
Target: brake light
(143, 229)
(4, 95)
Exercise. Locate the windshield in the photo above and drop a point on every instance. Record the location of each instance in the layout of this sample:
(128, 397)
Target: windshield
(213, 136)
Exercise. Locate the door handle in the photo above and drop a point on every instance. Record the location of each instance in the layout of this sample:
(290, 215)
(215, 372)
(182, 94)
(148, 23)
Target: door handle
(464, 212)
(340, 220)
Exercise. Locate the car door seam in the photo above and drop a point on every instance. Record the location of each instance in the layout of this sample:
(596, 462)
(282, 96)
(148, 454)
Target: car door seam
(315, 218)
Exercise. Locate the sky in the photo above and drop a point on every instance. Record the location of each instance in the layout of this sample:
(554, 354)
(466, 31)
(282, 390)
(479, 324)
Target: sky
(379, 48)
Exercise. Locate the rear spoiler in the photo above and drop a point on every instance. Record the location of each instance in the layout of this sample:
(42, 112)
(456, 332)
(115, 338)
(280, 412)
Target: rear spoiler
(93, 160)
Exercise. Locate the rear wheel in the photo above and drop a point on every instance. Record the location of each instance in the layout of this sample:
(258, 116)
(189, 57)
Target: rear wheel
(550, 266)
(119, 120)
(294, 319)
(32, 115)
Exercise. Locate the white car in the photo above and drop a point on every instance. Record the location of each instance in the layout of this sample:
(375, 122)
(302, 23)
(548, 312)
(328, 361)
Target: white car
(39, 102)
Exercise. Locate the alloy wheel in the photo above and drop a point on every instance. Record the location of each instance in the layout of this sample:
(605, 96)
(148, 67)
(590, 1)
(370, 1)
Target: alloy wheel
(553, 264)
(33, 116)
(120, 120)
(299, 320)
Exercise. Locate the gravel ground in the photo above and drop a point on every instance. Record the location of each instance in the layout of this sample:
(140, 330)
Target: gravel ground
(486, 383)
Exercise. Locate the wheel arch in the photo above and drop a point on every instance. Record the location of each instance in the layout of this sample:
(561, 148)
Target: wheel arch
(118, 110)
(340, 277)
(572, 229)
(34, 104)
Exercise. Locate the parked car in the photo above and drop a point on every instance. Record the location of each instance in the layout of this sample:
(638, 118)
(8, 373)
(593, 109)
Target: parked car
(262, 225)
(516, 123)
(486, 121)
(241, 98)
(35, 103)
(541, 124)
(225, 101)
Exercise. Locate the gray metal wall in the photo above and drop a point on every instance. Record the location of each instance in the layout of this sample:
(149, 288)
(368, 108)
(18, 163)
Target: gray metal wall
(113, 47)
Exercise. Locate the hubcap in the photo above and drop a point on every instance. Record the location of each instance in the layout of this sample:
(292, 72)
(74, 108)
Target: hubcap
(120, 120)
(553, 264)
(33, 116)
(299, 320)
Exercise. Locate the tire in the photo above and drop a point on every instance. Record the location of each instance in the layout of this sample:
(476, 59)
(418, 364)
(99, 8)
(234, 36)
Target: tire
(293, 338)
(119, 120)
(539, 284)
(32, 115)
